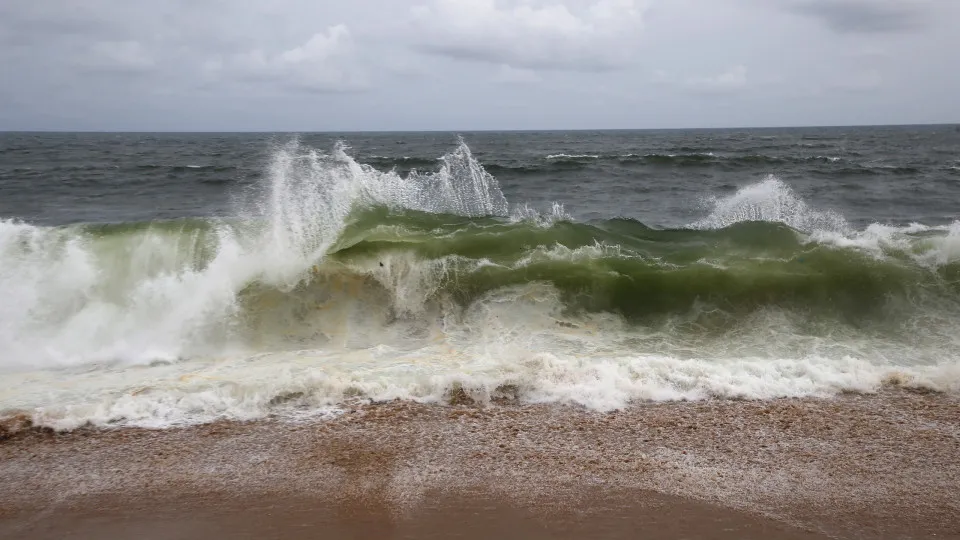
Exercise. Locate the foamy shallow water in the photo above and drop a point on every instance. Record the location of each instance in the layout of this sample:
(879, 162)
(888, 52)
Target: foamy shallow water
(314, 383)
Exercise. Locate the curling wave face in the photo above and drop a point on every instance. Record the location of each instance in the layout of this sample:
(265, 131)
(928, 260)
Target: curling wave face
(346, 283)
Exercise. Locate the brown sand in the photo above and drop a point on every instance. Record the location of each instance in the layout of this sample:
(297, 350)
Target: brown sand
(881, 466)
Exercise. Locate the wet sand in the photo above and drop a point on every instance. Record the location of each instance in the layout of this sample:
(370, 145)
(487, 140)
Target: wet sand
(465, 515)
(855, 466)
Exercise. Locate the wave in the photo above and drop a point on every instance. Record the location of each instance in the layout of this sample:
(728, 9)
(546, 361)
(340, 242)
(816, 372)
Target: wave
(646, 275)
(82, 294)
(732, 258)
(841, 165)
(746, 160)
(572, 156)
(829, 165)
(517, 169)
(407, 162)
(186, 168)
(345, 282)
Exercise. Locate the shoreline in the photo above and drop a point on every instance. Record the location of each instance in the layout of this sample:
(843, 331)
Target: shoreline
(854, 466)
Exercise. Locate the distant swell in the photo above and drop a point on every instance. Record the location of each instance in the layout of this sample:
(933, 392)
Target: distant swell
(188, 168)
(827, 165)
(844, 165)
(386, 162)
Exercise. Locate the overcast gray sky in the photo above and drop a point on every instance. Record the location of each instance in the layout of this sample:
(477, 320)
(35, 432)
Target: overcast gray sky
(321, 65)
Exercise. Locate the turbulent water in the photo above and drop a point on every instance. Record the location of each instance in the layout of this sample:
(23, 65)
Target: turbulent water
(167, 279)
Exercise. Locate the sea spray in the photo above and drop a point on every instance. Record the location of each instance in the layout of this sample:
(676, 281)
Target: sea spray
(770, 200)
(163, 291)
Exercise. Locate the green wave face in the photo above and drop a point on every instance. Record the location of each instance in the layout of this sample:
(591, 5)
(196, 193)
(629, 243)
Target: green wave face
(707, 289)
(627, 268)
(618, 266)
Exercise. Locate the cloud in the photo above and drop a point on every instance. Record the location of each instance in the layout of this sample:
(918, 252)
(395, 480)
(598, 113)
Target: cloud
(865, 80)
(865, 16)
(531, 35)
(867, 54)
(121, 57)
(461, 64)
(27, 22)
(732, 80)
(512, 75)
(324, 63)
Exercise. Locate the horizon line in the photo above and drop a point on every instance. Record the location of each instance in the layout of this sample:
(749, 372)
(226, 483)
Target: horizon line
(536, 130)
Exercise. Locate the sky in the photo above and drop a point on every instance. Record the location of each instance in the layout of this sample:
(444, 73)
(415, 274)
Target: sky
(320, 65)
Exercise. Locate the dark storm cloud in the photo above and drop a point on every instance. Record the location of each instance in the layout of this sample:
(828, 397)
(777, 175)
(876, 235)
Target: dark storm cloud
(866, 16)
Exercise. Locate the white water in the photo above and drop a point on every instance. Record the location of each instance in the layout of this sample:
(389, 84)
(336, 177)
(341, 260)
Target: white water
(75, 298)
(773, 201)
(140, 333)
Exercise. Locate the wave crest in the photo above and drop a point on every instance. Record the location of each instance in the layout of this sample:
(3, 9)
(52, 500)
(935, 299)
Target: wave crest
(772, 201)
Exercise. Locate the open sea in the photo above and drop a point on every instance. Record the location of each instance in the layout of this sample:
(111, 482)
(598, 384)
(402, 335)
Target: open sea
(168, 279)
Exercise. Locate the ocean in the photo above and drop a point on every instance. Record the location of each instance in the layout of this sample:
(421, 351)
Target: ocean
(169, 279)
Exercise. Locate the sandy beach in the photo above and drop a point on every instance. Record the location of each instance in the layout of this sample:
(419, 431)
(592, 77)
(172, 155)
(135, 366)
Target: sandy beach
(855, 466)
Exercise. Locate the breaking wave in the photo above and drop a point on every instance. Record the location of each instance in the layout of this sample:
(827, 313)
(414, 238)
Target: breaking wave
(343, 282)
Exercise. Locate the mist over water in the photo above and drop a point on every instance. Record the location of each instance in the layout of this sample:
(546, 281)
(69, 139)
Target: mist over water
(333, 280)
